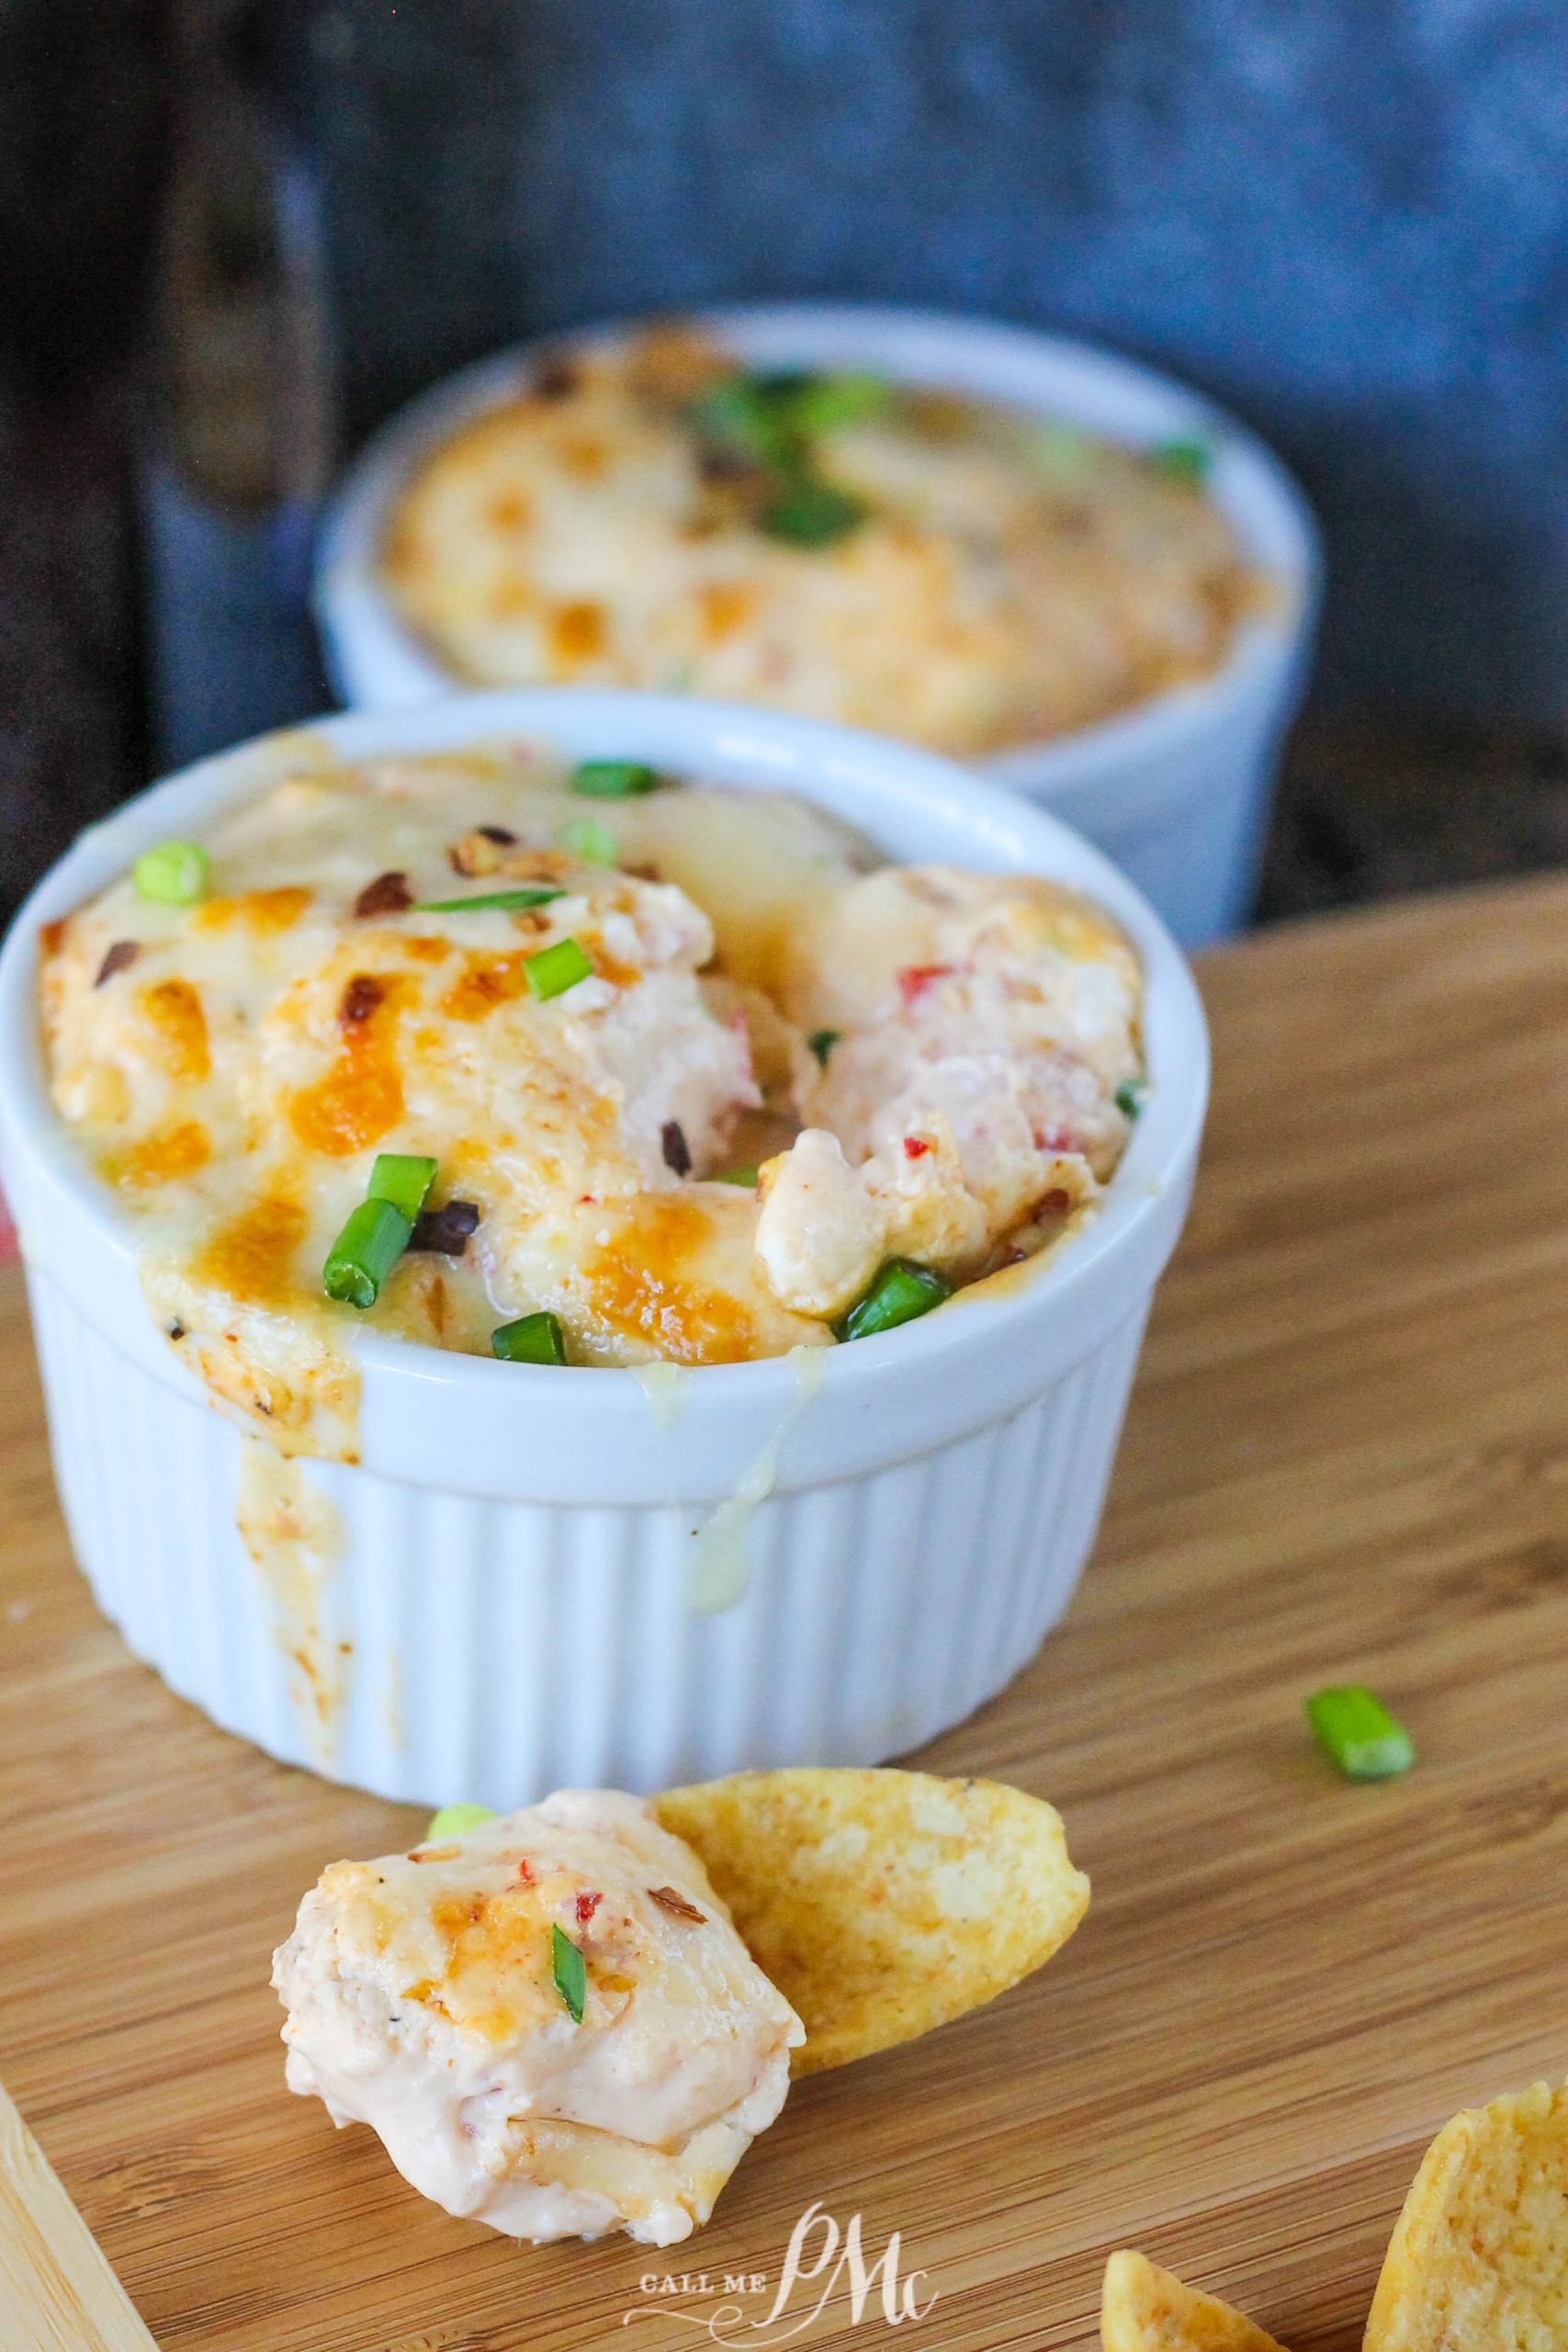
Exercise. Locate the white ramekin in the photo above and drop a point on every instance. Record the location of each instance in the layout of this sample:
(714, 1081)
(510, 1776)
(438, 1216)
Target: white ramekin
(513, 1587)
(1176, 791)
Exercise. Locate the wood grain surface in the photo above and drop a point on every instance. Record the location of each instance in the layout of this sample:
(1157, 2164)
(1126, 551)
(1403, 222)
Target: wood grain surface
(1347, 1457)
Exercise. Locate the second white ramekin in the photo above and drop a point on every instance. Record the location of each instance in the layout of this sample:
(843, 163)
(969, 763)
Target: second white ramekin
(1175, 792)
(510, 1606)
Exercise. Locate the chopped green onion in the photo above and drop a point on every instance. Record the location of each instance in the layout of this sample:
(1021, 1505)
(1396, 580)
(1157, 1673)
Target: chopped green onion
(365, 1252)
(822, 1042)
(457, 1820)
(533, 1339)
(749, 415)
(1185, 460)
(747, 1176)
(1355, 1731)
(403, 1179)
(555, 969)
(901, 1293)
(1060, 452)
(175, 873)
(824, 404)
(811, 513)
(1130, 1097)
(586, 838)
(501, 902)
(570, 1971)
(614, 779)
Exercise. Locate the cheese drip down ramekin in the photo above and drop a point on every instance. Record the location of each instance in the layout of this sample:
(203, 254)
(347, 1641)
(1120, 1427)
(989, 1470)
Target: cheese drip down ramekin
(498, 1598)
(1176, 789)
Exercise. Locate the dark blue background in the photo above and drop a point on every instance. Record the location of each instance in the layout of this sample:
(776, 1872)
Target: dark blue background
(1347, 217)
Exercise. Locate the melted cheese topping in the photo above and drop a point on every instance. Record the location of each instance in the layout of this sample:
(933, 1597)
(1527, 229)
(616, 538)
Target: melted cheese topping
(235, 1066)
(1014, 579)
(423, 1999)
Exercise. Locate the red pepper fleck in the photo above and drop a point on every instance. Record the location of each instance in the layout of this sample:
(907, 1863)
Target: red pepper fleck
(524, 1874)
(586, 1907)
(1057, 1201)
(1055, 1140)
(916, 978)
(915, 1147)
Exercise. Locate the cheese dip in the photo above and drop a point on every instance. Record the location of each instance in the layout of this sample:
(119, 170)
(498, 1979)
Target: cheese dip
(959, 574)
(571, 1064)
(550, 2022)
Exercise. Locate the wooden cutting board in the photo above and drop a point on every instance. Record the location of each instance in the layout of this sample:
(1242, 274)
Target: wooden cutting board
(1347, 1458)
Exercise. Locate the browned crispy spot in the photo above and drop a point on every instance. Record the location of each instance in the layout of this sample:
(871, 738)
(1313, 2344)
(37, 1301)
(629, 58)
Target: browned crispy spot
(52, 935)
(173, 1009)
(387, 895)
(257, 911)
(483, 983)
(577, 632)
(163, 1156)
(361, 998)
(360, 1098)
(121, 957)
(251, 1256)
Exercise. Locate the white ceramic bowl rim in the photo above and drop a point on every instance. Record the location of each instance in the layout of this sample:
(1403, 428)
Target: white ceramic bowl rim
(1017, 1334)
(1055, 374)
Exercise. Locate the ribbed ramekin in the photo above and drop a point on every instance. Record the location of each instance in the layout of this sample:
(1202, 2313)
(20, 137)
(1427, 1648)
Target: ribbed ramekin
(1176, 791)
(510, 1606)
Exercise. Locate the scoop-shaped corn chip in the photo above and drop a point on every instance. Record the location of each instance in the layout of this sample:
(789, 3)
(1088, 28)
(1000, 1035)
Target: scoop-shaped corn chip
(1479, 2257)
(880, 1903)
(1144, 2309)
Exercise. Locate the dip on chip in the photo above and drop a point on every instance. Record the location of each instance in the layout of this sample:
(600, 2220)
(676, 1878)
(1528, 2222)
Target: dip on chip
(555, 2025)
(1144, 2309)
(1479, 2257)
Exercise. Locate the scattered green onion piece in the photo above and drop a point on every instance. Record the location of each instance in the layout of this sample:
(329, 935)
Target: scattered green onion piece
(365, 1252)
(749, 415)
(1187, 461)
(555, 969)
(586, 838)
(570, 1971)
(501, 902)
(533, 1339)
(901, 1292)
(822, 1042)
(175, 873)
(457, 1820)
(614, 779)
(1061, 453)
(824, 404)
(747, 1176)
(1130, 1097)
(402, 1178)
(811, 513)
(1358, 1735)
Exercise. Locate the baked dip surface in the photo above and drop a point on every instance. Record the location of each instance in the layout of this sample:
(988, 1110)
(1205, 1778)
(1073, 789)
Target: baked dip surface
(646, 512)
(628, 1069)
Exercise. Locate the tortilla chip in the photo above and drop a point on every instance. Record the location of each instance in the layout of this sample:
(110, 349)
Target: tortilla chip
(1144, 2309)
(1479, 2257)
(882, 1903)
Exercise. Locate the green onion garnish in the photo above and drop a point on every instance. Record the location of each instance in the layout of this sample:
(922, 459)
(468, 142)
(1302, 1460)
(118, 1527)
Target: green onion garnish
(1130, 1097)
(555, 969)
(1185, 460)
(824, 404)
(901, 1293)
(614, 779)
(570, 1971)
(1357, 1732)
(501, 902)
(365, 1252)
(749, 417)
(822, 1042)
(586, 838)
(747, 1176)
(811, 513)
(533, 1339)
(403, 1179)
(455, 1821)
(175, 873)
